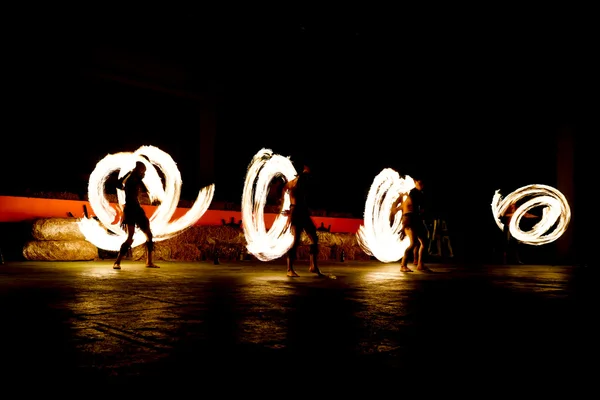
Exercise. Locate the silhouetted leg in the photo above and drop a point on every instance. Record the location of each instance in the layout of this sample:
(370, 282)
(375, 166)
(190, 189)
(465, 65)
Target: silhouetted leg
(409, 250)
(292, 253)
(311, 231)
(421, 265)
(125, 246)
(145, 227)
(416, 254)
(449, 246)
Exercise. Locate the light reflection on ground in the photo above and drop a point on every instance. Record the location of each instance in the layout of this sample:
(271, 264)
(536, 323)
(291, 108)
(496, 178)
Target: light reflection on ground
(200, 319)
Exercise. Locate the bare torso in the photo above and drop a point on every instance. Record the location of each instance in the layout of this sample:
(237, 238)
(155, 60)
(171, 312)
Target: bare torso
(407, 206)
(296, 191)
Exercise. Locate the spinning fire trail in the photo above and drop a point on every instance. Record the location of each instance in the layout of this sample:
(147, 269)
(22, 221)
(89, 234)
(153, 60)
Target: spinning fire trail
(380, 236)
(555, 216)
(266, 244)
(106, 233)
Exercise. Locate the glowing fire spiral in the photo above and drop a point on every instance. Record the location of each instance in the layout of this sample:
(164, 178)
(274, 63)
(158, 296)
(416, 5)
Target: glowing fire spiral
(379, 236)
(266, 244)
(555, 218)
(106, 233)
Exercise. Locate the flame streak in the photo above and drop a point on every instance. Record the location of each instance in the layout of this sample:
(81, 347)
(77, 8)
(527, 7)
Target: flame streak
(556, 213)
(266, 244)
(97, 231)
(379, 236)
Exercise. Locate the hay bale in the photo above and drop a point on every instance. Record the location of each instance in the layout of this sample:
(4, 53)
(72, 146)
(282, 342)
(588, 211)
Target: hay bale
(182, 251)
(324, 253)
(230, 251)
(347, 239)
(303, 252)
(56, 229)
(200, 243)
(348, 243)
(217, 233)
(60, 250)
(239, 239)
(223, 233)
(194, 234)
(207, 250)
(162, 252)
(107, 254)
(329, 239)
(185, 252)
(356, 253)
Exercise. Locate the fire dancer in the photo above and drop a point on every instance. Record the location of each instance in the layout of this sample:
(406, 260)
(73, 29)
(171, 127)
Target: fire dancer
(413, 226)
(134, 215)
(300, 220)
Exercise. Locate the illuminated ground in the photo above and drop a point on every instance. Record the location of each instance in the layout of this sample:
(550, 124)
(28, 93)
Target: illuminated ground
(196, 324)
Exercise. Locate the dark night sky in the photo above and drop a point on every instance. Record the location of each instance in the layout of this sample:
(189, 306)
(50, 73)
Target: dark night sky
(445, 97)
